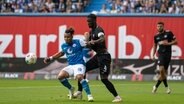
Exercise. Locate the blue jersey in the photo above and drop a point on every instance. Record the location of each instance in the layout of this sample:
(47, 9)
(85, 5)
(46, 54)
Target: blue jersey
(74, 52)
(86, 52)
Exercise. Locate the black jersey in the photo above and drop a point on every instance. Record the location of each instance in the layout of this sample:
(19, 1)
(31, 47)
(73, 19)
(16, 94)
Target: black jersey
(94, 35)
(166, 35)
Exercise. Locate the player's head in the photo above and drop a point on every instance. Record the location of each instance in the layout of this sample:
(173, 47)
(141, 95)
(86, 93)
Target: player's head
(91, 19)
(68, 36)
(160, 26)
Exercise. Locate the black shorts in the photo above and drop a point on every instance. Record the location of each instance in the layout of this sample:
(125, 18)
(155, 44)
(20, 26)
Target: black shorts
(164, 60)
(101, 61)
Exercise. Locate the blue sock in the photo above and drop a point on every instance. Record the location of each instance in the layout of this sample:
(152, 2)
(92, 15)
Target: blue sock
(66, 83)
(85, 86)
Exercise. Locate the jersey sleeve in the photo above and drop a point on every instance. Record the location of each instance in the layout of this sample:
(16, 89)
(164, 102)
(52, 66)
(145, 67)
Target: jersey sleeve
(82, 42)
(100, 32)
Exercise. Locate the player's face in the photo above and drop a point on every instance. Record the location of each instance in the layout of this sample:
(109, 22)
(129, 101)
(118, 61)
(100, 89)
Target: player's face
(91, 22)
(160, 27)
(68, 38)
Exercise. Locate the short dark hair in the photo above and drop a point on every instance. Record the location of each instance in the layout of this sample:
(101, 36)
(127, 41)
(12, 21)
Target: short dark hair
(92, 16)
(69, 30)
(162, 23)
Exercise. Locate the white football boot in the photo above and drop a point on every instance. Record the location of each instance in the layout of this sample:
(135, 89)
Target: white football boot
(168, 90)
(154, 89)
(90, 98)
(117, 99)
(78, 95)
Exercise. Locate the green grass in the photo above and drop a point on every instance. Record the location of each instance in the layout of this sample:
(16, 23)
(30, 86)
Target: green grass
(51, 92)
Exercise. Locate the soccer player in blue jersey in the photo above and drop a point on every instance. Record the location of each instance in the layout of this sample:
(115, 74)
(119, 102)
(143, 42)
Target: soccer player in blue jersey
(73, 49)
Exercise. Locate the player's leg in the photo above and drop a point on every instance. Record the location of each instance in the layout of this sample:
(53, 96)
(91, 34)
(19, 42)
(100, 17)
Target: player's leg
(166, 64)
(79, 71)
(90, 65)
(160, 72)
(62, 76)
(105, 62)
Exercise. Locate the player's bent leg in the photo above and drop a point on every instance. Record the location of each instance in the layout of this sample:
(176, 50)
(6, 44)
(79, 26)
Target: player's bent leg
(64, 81)
(85, 86)
(162, 73)
(112, 89)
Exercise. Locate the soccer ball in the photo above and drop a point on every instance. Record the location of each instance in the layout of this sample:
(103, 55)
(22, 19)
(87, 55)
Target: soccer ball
(30, 58)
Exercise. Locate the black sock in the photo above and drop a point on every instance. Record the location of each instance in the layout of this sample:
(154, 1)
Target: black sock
(158, 83)
(165, 82)
(110, 86)
(79, 86)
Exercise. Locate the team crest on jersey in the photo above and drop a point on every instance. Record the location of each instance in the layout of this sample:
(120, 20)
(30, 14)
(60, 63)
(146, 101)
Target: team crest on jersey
(74, 45)
(79, 69)
(158, 38)
(69, 50)
(93, 35)
(165, 36)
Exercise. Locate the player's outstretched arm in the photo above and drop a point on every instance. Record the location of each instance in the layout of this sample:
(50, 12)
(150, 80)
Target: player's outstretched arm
(55, 56)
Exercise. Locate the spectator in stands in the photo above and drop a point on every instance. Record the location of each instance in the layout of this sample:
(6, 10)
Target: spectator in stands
(18, 9)
(61, 6)
(104, 9)
(50, 5)
(113, 9)
(27, 9)
(163, 9)
(44, 9)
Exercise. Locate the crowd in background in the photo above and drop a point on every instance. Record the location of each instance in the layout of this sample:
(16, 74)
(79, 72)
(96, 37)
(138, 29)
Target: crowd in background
(143, 6)
(42, 6)
(78, 6)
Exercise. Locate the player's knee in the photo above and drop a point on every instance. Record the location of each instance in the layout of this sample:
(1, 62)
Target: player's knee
(79, 77)
(62, 75)
(59, 77)
(104, 81)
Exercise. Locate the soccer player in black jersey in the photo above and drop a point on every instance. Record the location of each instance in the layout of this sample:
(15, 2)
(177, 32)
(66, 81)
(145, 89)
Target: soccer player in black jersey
(102, 59)
(164, 39)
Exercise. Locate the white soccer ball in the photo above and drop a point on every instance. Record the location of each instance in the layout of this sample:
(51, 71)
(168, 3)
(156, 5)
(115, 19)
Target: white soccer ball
(30, 58)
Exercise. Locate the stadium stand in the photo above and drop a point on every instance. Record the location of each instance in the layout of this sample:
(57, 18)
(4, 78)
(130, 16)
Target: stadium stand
(95, 5)
(42, 6)
(101, 6)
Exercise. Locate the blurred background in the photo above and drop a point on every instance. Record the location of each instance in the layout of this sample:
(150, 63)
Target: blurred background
(130, 25)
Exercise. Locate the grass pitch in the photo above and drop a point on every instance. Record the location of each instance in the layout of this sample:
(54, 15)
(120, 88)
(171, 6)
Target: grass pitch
(52, 92)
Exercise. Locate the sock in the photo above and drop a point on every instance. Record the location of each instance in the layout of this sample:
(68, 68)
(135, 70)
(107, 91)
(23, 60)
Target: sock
(79, 86)
(85, 86)
(165, 82)
(158, 83)
(110, 87)
(66, 83)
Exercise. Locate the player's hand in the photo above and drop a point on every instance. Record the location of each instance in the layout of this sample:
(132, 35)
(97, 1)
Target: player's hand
(92, 42)
(47, 60)
(153, 58)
